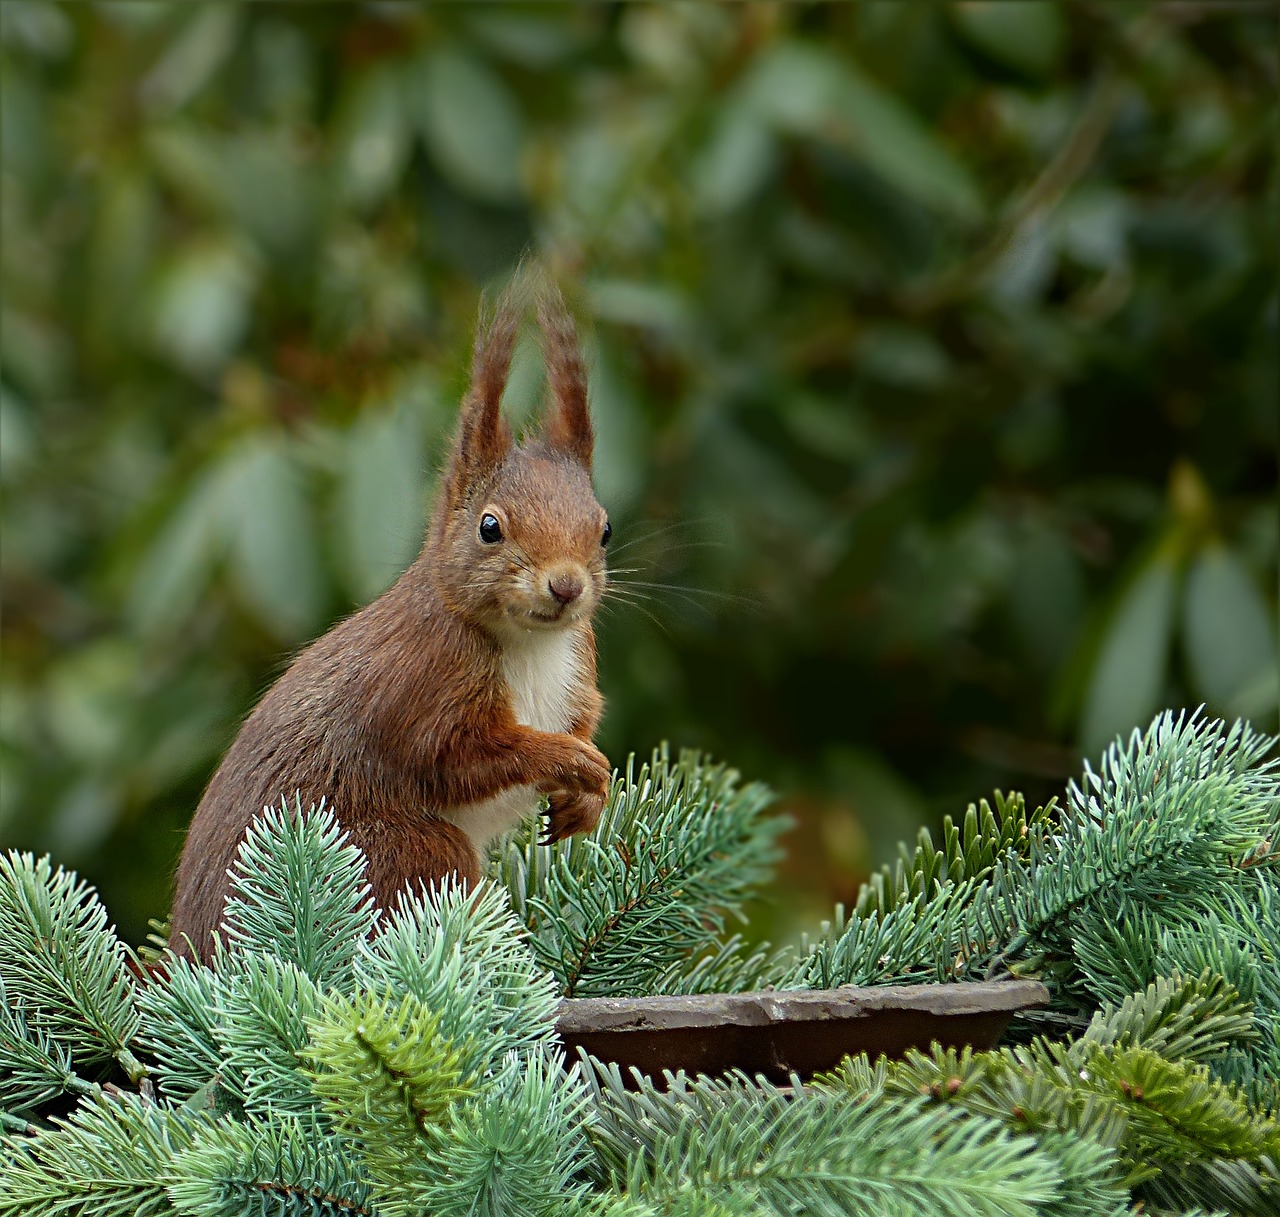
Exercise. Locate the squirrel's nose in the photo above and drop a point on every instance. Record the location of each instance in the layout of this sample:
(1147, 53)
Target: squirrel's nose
(565, 588)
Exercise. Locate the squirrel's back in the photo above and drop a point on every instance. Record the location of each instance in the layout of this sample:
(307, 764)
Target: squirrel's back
(333, 727)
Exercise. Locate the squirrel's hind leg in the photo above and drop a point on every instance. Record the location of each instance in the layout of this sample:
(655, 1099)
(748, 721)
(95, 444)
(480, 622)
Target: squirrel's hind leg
(414, 850)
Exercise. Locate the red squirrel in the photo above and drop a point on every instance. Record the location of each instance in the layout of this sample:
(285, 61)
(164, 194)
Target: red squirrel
(432, 719)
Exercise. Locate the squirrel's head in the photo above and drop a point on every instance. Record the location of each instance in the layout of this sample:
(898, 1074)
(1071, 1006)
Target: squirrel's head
(518, 540)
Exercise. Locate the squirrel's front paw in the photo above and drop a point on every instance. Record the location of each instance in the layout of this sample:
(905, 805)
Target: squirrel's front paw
(584, 770)
(569, 814)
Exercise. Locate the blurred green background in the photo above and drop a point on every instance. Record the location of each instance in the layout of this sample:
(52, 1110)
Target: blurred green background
(933, 352)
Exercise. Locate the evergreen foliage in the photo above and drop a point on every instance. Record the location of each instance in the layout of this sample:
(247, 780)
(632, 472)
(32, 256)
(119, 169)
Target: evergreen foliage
(832, 1159)
(59, 962)
(179, 1013)
(1097, 871)
(632, 907)
(36, 1066)
(970, 850)
(338, 1060)
(276, 910)
(115, 1156)
(387, 1077)
(286, 1165)
(1133, 1081)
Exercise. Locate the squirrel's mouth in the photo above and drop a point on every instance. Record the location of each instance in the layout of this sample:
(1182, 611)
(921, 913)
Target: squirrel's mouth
(547, 618)
(547, 612)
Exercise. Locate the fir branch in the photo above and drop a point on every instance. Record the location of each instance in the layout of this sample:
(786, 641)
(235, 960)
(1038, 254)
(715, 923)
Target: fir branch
(62, 962)
(1179, 1209)
(1226, 946)
(1253, 1073)
(18, 1124)
(732, 966)
(1246, 936)
(34, 1066)
(390, 1056)
(1117, 956)
(686, 1205)
(1091, 1185)
(1169, 816)
(388, 1080)
(1178, 1112)
(868, 1079)
(1233, 1189)
(1034, 1089)
(1236, 938)
(515, 1147)
(971, 850)
(826, 1156)
(265, 1006)
(630, 1113)
(1193, 1019)
(946, 935)
(936, 915)
(178, 1009)
(678, 851)
(1159, 1116)
(298, 892)
(465, 956)
(1225, 770)
(285, 1165)
(113, 1157)
(634, 1122)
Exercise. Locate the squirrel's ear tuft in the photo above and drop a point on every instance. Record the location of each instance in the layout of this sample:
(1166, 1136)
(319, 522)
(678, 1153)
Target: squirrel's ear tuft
(484, 438)
(568, 425)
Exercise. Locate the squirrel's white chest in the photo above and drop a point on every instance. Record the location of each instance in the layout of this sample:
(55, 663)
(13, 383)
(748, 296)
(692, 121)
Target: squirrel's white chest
(541, 673)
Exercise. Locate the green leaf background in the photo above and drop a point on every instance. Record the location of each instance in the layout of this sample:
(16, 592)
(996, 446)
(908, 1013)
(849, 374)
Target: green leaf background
(933, 352)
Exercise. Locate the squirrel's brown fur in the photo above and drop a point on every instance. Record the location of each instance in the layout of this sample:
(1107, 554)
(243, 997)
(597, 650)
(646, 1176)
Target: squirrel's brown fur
(431, 719)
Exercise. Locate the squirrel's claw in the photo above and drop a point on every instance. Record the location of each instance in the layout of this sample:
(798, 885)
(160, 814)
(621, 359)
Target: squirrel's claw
(569, 814)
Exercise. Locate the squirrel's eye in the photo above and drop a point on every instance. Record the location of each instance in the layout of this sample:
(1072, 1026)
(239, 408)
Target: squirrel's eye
(608, 532)
(490, 530)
